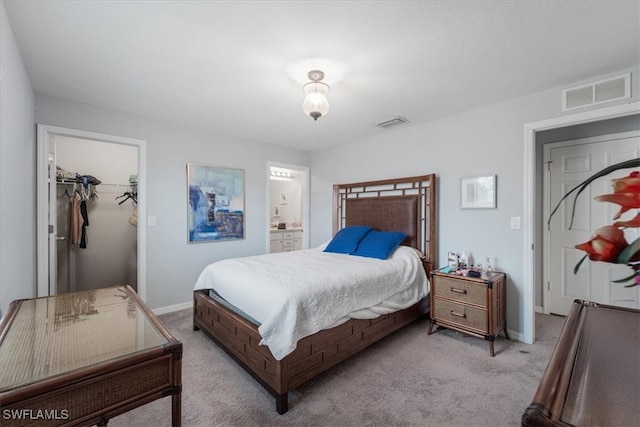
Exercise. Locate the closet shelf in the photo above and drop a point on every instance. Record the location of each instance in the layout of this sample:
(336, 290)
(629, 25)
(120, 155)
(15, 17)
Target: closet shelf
(69, 181)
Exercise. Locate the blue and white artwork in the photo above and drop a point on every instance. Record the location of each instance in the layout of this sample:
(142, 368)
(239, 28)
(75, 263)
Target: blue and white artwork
(216, 203)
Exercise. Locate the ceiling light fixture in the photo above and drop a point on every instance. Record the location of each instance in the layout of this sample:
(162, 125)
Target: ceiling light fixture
(315, 103)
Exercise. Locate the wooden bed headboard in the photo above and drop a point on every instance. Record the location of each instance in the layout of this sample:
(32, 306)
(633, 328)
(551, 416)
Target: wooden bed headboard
(402, 204)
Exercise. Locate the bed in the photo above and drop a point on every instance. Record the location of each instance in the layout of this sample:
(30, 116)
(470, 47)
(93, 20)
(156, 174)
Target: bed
(406, 205)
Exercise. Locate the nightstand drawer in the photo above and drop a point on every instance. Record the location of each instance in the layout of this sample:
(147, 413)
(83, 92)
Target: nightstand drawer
(460, 290)
(463, 315)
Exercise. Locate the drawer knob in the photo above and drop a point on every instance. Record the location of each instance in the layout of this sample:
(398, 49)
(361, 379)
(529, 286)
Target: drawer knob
(459, 291)
(454, 313)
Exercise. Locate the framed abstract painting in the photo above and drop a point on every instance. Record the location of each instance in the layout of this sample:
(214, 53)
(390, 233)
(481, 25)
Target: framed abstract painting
(215, 203)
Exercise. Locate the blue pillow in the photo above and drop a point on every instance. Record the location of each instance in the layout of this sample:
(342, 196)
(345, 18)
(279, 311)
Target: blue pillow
(379, 244)
(346, 240)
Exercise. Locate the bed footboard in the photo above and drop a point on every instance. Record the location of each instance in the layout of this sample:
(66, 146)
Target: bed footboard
(313, 354)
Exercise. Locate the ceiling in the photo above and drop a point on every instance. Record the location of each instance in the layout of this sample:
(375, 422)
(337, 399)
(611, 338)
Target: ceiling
(236, 68)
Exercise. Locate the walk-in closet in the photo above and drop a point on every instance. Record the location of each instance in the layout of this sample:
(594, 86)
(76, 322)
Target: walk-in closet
(96, 206)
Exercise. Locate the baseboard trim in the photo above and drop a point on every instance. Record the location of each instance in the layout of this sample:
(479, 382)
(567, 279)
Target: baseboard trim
(172, 308)
(515, 336)
(539, 309)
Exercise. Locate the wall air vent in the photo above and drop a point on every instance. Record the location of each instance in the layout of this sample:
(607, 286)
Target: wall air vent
(596, 93)
(393, 122)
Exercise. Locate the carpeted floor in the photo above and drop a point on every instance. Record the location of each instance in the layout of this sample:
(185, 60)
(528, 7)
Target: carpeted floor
(408, 379)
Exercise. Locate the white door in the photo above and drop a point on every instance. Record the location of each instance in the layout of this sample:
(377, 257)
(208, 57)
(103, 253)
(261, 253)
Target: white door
(53, 239)
(570, 163)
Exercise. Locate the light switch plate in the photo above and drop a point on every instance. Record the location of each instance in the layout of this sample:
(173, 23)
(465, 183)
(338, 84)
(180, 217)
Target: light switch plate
(515, 222)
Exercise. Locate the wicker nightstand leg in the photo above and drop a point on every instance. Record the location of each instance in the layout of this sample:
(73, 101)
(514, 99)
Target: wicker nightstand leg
(491, 352)
(506, 334)
(430, 327)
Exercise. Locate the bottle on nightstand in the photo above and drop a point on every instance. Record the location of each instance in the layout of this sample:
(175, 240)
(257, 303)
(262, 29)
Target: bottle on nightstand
(464, 260)
(487, 267)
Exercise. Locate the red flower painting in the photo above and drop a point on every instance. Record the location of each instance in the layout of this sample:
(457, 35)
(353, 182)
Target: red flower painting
(605, 245)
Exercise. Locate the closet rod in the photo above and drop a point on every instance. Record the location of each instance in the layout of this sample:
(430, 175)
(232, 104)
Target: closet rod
(103, 183)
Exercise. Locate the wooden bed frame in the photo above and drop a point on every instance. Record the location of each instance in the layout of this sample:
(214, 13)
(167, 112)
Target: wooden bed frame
(406, 204)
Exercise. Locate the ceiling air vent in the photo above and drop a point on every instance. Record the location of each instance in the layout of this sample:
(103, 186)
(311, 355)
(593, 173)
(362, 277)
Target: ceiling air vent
(597, 92)
(393, 122)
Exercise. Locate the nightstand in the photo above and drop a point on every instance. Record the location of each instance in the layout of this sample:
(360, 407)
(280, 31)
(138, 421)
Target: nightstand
(474, 306)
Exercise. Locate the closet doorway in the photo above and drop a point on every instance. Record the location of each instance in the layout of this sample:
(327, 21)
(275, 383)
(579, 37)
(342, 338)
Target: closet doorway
(533, 221)
(96, 182)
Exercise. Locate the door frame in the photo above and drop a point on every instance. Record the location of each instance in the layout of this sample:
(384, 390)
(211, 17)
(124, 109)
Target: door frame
(304, 196)
(531, 223)
(546, 239)
(45, 134)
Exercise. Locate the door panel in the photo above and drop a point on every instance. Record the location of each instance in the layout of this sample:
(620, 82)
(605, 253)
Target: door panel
(65, 266)
(53, 222)
(569, 166)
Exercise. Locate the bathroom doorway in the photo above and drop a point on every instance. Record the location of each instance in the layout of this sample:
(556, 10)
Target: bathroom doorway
(287, 207)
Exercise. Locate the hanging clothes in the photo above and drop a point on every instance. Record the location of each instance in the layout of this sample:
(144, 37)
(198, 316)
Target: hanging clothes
(85, 180)
(74, 219)
(85, 224)
(133, 220)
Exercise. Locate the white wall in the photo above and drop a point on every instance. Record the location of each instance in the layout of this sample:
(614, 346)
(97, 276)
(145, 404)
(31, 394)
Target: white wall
(173, 265)
(18, 174)
(485, 141)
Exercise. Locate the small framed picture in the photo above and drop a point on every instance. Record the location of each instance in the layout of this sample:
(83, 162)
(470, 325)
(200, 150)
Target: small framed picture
(276, 212)
(478, 193)
(283, 198)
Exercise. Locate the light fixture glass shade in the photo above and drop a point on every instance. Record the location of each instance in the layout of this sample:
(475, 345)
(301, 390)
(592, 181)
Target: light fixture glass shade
(315, 102)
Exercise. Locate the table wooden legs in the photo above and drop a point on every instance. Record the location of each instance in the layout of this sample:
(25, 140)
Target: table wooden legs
(176, 410)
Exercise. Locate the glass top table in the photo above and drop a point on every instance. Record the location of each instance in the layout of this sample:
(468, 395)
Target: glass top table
(54, 350)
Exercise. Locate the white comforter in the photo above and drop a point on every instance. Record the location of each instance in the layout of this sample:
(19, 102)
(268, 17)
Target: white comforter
(296, 294)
